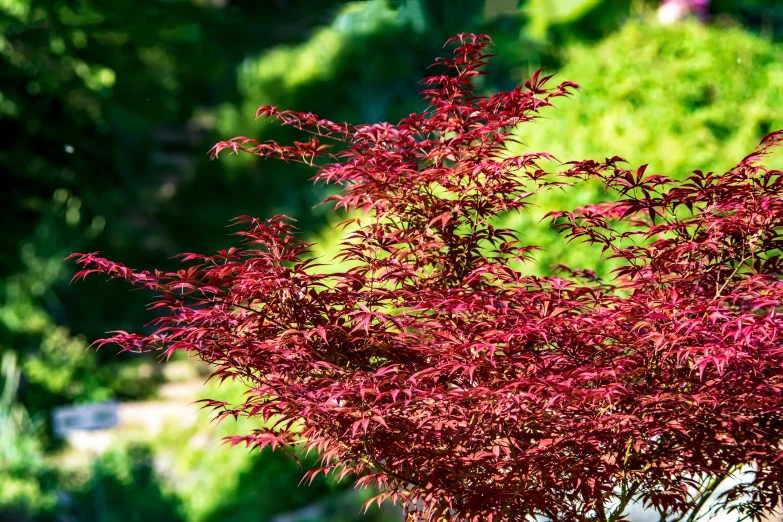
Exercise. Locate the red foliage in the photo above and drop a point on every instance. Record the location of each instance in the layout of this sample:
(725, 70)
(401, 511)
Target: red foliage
(464, 389)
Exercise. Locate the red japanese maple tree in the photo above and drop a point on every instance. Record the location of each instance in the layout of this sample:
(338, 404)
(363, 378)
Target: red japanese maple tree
(435, 369)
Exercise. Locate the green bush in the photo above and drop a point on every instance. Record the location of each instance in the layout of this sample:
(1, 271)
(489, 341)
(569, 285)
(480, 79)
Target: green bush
(680, 98)
(121, 486)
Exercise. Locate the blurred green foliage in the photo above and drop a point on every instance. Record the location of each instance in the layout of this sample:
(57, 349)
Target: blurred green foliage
(220, 483)
(122, 485)
(25, 475)
(679, 98)
(112, 108)
(562, 20)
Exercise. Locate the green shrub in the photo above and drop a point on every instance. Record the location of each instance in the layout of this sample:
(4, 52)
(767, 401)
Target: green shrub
(682, 98)
(121, 486)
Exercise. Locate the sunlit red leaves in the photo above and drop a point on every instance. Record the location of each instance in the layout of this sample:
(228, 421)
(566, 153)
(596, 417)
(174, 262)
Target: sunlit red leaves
(437, 371)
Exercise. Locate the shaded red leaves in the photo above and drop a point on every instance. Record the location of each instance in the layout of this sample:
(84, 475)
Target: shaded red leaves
(436, 370)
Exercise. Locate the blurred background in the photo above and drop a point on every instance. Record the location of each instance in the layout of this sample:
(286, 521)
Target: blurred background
(108, 110)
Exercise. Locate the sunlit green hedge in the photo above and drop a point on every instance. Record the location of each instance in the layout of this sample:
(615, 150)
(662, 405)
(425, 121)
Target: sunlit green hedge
(679, 98)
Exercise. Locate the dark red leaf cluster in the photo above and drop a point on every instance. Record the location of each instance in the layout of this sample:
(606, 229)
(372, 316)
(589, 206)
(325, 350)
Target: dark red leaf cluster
(435, 369)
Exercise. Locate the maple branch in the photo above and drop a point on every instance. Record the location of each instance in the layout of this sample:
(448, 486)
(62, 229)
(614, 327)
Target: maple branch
(728, 279)
(624, 500)
(704, 495)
